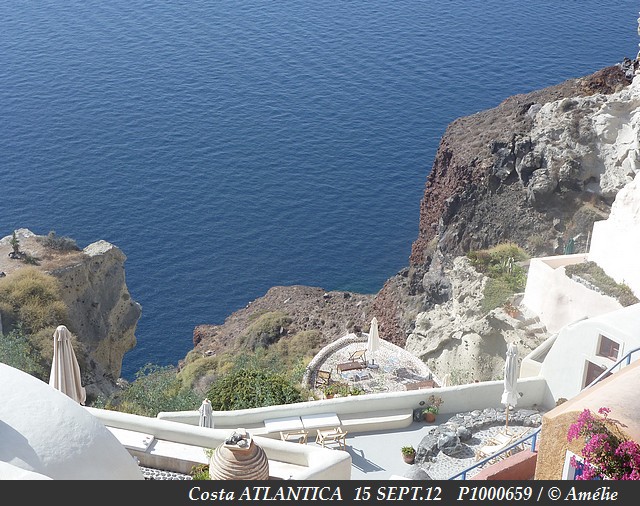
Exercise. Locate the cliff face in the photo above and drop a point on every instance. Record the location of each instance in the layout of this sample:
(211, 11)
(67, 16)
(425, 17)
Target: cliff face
(333, 314)
(101, 312)
(537, 170)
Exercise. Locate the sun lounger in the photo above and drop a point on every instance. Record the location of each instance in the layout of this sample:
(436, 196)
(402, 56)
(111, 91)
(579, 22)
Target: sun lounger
(297, 436)
(496, 444)
(418, 385)
(329, 438)
(359, 356)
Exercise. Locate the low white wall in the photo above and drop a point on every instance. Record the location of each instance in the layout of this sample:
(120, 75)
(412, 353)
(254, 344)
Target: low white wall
(320, 463)
(614, 247)
(456, 399)
(558, 300)
(531, 365)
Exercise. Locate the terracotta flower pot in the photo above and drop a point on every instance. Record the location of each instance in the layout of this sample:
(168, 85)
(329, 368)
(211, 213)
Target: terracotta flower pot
(410, 458)
(429, 417)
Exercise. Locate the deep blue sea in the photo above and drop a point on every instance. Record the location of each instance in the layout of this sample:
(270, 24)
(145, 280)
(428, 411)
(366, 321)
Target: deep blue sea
(227, 147)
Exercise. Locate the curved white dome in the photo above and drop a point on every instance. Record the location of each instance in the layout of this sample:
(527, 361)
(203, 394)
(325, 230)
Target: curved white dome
(45, 432)
(9, 472)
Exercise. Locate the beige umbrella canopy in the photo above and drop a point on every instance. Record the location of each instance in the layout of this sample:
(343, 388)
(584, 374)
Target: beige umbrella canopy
(206, 414)
(510, 394)
(65, 371)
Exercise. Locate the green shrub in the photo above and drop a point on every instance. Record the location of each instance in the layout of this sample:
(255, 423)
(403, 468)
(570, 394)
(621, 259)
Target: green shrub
(32, 298)
(594, 274)
(155, 389)
(248, 386)
(497, 260)
(17, 351)
(506, 277)
(295, 351)
(200, 472)
(57, 243)
(30, 259)
(265, 330)
(342, 389)
(195, 370)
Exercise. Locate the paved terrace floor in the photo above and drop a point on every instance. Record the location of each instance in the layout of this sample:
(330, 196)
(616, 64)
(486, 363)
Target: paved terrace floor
(377, 455)
(394, 369)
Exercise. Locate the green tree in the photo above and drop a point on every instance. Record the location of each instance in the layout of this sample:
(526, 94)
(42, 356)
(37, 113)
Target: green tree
(15, 244)
(247, 385)
(155, 389)
(17, 351)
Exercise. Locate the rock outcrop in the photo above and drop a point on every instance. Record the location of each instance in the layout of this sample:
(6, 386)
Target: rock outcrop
(537, 170)
(460, 339)
(334, 314)
(102, 314)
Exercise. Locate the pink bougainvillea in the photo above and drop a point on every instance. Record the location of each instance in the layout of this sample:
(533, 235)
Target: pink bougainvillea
(606, 455)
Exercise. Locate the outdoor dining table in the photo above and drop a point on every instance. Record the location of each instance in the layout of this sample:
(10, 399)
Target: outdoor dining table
(349, 366)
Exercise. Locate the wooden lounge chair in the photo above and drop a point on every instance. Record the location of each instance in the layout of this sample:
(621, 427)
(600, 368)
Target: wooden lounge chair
(359, 356)
(329, 438)
(323, 378)
(296, 436)
(496, 444)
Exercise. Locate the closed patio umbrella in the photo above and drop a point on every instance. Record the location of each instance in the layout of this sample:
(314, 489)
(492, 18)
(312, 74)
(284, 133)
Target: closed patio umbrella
(206, 414)
(373, 343)
(510, 394)
(65, 371)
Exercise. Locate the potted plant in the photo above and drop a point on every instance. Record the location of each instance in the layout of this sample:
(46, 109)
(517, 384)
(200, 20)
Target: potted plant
(337, 389)
(432, 408)
(331, 390)
(409, 454)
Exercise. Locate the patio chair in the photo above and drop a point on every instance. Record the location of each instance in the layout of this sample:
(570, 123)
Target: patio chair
(323, 378)
(329, 438)
(296, 436)
(359, 356)
(495, 445)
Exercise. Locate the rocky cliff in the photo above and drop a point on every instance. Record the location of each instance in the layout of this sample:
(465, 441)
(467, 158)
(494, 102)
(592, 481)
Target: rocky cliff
(334, 314)
(537, 170)
(101, 312)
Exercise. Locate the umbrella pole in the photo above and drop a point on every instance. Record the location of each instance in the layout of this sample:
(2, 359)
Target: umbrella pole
(506, 427)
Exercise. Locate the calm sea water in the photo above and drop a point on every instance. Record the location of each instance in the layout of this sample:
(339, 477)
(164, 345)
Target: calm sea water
(227, 147)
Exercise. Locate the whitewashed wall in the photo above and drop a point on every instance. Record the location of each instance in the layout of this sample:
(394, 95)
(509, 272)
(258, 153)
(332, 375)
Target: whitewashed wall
(558, 300)
(564, 367)
(615, 242)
